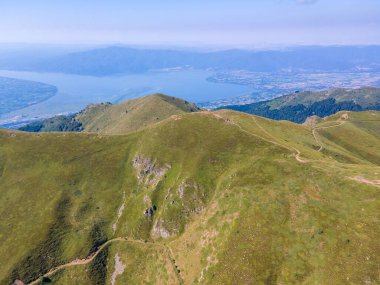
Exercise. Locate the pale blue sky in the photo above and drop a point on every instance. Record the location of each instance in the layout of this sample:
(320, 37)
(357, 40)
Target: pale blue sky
(234, 23)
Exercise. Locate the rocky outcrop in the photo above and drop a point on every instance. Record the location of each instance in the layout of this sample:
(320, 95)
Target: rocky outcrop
(181, 190)
(147, 200)
(148, 171)
(119, 268)
(312, 121)
(344, 116)
(119, 213)
(159, 231)
(186, 187)
(192, 197)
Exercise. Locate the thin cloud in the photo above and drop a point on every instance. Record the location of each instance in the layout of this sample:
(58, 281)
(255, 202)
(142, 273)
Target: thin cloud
(303, 2)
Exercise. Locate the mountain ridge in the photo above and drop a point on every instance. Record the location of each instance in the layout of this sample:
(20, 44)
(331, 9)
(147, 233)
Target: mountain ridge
(123, 117)
(297, 107)
(123, 60)
(210, 197)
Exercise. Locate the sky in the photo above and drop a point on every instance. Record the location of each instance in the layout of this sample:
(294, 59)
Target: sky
(233, 23)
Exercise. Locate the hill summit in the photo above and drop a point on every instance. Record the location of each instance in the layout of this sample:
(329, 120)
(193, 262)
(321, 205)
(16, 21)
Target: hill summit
(119, 118)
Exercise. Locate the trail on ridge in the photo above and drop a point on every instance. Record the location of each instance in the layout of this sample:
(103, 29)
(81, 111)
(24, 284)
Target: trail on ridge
(320, 128)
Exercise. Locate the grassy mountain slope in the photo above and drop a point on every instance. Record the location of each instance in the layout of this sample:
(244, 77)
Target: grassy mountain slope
(133, 114)
(358, 136)
(365, 97)
(298, 106)
(124, 117)
(209, 198)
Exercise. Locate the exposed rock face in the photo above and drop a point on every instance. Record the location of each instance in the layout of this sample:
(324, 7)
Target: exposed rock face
(147, 200)
(119, 213)
(119, 269)
(181, 189)
(344, 117)
(159, 230)
(312, 121)
(187, 187)
(192, 197)
(148, 172)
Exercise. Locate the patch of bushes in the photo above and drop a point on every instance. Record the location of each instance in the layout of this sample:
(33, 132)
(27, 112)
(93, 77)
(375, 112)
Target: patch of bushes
(55, 124)
(97, 269)
(97, 236)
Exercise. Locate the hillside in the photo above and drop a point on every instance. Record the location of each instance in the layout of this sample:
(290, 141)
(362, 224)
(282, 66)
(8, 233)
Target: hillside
(200, 198)
(124, 117)
(299, 106)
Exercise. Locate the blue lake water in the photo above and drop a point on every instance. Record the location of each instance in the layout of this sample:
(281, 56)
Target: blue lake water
(76, 91)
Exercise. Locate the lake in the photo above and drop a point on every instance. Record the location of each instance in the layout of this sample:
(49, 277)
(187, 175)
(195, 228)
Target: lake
(77, 91)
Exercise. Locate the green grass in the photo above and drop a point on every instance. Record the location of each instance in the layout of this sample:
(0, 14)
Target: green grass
(132, 115)
(85, 170)
(250, 213)
(298, 232)
(143, 265)
(359, 136)
(121, 118)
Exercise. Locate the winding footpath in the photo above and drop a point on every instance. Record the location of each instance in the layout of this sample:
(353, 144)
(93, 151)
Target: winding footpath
(320, 128)
(291, 148)
(274, 140)
(297, 153)
(90, 258)
(75, 262)
(170, 255)
(361, 179)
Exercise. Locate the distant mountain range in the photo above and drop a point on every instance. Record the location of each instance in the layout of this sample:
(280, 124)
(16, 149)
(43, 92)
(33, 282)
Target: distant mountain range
(121, 60)
(300, 105)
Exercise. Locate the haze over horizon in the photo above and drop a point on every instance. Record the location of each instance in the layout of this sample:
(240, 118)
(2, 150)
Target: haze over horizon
(243, 23)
